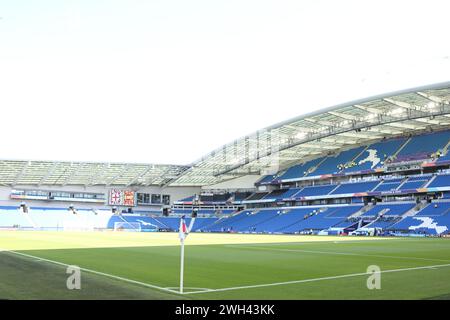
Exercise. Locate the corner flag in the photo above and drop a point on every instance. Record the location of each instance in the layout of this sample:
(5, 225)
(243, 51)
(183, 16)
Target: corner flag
(183, 233)
(184, 229)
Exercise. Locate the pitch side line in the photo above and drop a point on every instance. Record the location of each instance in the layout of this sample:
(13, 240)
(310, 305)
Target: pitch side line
(315, 279)
(337, 253)
(93, 271)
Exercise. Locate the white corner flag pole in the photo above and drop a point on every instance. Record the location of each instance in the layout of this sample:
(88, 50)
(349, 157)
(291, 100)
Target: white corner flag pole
(182, 266)
(183, 234)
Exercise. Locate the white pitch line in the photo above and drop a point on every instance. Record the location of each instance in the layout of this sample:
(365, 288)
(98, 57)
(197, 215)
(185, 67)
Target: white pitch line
(316, 279)
(194, 288)
(92, 271)
(340, 253)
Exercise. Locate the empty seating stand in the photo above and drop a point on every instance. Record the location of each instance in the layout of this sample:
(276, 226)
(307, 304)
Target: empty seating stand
(323, 220)
(299, 170)
(281, 194)
(440, 181)
(425, 144)
(248, 224)
(315, 190)
(375, 155)
(395, 209)
(283, 219)
(388, 185)
(435, 209)
(415, 183)
(356, 187)
(330, 164)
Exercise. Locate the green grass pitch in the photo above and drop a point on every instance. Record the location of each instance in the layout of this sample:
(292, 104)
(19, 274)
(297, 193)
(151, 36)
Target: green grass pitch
(131, 265)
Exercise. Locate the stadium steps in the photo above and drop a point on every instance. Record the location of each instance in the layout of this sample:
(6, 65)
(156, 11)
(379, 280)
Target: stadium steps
(381, 181)
(224, 219)
(357, 156)
(360, 212)
(160, 222)
(415, 210)
(299, 190)
(381, 213)
(401, 184)
(430, 181)
(309, 171)
(206, 227)
(331, 192)
(297, 221)
(322, 210)
(401, 148)
(373, 222)
(264, 221)
(29, 219)
(445, 149)
(124, 220)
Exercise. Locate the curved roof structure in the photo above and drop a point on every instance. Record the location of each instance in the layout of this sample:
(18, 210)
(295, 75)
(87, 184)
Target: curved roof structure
(325, 131)
(61, 173)
(266, 151)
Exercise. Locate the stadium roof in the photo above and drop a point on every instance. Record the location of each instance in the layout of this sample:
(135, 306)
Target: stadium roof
(20, 172)
(324, 131)
(266, 151)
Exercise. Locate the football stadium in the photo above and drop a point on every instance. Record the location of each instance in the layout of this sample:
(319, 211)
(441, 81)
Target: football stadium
(347, 202)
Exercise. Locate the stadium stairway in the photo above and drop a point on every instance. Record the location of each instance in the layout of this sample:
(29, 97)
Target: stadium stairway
(227, 222)
(445, 149)
(315, 167)
(414, 210)
(360, 212)
(401, 184)
(356, 157)
(29, 218)
(334, 189)
(401, 148)
(430, 181)
(410, 213)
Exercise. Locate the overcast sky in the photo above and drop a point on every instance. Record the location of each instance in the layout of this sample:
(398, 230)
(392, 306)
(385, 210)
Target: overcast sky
(169, 81)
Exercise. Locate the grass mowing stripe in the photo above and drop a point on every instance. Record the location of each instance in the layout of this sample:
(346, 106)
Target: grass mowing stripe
(336, 253)
(38, 259)
(316, 279)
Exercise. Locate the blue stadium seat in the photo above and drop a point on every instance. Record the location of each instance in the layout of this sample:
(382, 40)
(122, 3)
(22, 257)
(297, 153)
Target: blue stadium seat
(266, 179)
(228, 223)
(440, 181)
(435, 209)
(422, 224)
(323, 220)
(330, 164)
(389, 185)
(356, 187)
(383, 224)
(248, 224)
(413, 184)
(430, 220)
(299, 170)
(315, 190)
(282, 194)
(426, 143)
(282, 220)
(391, 209)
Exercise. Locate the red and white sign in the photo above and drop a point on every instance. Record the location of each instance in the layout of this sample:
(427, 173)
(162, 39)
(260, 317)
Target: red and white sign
(119, 197)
